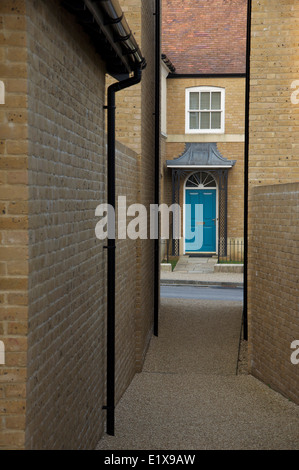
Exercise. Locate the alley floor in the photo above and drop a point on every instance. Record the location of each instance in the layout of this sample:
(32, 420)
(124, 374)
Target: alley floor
(189, 395)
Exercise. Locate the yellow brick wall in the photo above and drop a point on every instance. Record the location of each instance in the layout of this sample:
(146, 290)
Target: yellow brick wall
(145, 283)
(273, 286)
(273, 210)
(235, 189)
(13, 224)
(128, 101)
(66, 291)
(126, 271)
(274, 123)
(53, 268)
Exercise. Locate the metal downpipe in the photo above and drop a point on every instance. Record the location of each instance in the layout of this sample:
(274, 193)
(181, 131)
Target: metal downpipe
(111, 247)
(246, 172)
(157, 166)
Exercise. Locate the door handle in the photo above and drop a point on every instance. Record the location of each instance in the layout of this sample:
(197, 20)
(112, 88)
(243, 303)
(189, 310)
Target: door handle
(200, 223)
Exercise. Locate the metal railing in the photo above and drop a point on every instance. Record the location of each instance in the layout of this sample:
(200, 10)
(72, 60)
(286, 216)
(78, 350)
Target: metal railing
(233, 253)
(166, 245)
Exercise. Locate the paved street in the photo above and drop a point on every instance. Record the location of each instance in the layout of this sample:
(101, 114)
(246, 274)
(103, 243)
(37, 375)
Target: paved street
(205, 293)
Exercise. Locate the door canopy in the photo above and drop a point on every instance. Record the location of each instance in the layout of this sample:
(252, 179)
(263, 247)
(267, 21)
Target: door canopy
(201, 155)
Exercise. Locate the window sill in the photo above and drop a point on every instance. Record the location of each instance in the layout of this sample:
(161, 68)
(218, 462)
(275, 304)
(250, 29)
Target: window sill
(205, 137)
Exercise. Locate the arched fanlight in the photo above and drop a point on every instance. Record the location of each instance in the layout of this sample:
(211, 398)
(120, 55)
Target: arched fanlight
(201, 179)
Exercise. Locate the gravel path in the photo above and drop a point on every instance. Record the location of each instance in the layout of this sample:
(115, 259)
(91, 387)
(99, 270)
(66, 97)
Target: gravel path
(189, 396)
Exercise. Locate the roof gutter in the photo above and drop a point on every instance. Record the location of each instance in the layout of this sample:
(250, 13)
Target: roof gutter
(111, 19)
(107, 26)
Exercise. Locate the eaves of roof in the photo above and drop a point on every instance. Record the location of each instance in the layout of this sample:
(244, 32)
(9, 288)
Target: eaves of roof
(105, 23)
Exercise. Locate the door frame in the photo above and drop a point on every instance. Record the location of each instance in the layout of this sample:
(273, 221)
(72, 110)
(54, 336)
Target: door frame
(184, 212)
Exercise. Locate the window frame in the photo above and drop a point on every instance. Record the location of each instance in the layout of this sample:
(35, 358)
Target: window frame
(204, 89)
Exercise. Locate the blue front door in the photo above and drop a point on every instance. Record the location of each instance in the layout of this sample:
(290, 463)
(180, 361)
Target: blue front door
(200, 220)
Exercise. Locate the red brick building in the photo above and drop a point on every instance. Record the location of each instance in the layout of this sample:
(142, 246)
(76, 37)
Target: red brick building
(201, 37)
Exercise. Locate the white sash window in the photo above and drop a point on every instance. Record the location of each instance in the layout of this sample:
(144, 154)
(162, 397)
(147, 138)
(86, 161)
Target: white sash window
(205, 110)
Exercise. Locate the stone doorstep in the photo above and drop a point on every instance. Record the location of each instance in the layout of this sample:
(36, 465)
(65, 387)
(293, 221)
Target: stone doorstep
(228, 268)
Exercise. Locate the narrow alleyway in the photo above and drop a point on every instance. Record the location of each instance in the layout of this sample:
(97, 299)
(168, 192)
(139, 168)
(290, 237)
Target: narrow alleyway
(189, 397)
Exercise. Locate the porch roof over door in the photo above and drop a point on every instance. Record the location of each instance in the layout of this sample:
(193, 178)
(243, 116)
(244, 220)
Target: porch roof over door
(200, 155)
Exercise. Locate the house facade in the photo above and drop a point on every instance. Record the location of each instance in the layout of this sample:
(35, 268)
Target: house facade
(203, 157)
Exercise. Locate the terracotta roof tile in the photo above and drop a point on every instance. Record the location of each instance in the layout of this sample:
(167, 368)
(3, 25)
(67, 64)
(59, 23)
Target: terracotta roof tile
(205, 36)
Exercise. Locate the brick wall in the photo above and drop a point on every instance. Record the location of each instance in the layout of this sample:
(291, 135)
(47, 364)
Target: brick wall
(235, 189)
(273, 286)
(126, 271)
(274, 123)
(66, 168)
(273, 216)
(208, 38)
(145, 283)
(13, 223)
(128, 101)
(53, 268)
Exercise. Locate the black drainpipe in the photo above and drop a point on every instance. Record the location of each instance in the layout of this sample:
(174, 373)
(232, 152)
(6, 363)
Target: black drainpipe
(157, 166)
(115, 87)
(246, 172)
